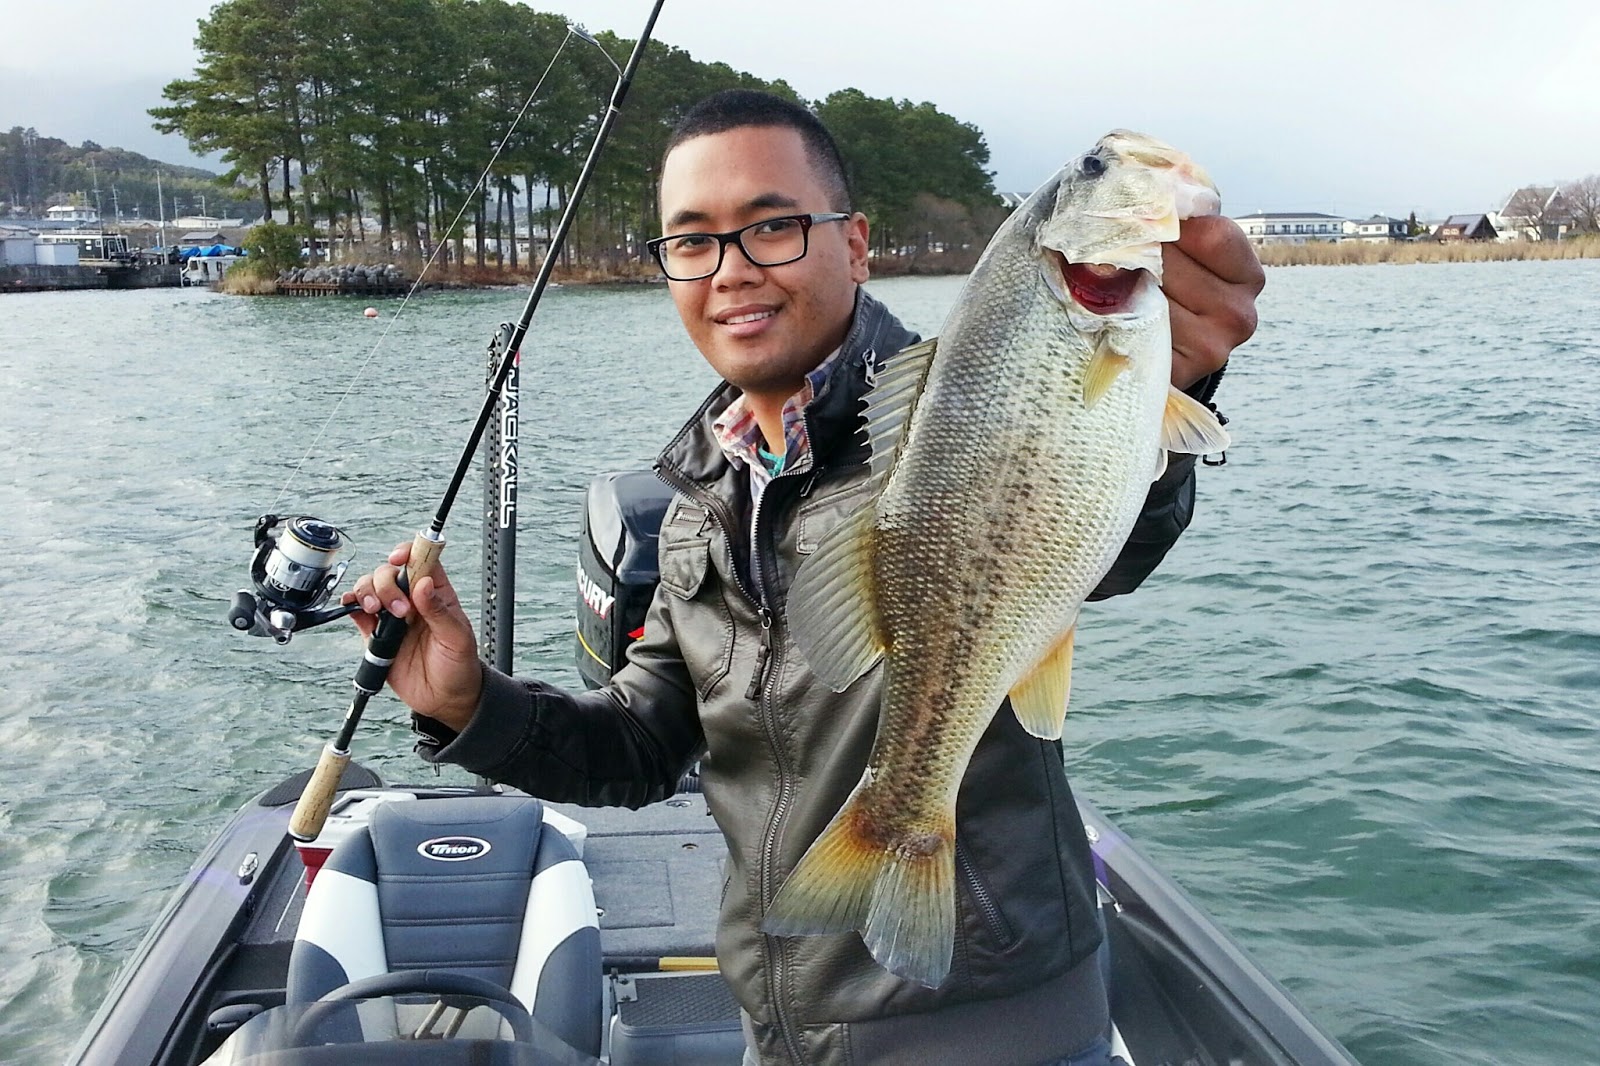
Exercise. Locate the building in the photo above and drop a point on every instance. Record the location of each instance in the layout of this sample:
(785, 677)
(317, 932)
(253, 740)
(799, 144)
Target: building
(206, 222)
(73, 214)
(1378, 229)
(1465, 228)
(1290, 227)
(1534, 213)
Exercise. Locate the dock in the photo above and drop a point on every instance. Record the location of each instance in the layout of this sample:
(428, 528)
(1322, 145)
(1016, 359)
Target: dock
(35, 278)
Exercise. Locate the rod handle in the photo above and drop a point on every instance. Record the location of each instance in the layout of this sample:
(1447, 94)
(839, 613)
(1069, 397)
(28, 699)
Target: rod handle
(425, 549)
(317, 799)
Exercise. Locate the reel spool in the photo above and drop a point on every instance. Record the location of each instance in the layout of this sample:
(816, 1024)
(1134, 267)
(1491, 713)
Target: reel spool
(294, 572)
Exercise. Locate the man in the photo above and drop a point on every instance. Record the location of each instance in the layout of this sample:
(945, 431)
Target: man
(772, 461)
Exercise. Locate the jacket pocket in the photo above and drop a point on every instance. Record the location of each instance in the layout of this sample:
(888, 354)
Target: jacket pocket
(684, 566)
(702, 621)
(820, 514)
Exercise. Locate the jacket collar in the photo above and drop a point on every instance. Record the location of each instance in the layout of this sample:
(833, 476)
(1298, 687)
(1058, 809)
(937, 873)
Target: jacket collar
(833, 416)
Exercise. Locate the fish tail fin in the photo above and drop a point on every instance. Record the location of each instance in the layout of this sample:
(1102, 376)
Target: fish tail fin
(894, 884)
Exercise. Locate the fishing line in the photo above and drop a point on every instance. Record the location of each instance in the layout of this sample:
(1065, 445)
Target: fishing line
(437, 248)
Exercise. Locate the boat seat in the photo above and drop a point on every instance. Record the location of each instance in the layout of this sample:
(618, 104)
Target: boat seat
(474, 885)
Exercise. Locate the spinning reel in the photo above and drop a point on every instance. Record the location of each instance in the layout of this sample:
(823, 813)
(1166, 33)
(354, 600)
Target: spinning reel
(294, 573)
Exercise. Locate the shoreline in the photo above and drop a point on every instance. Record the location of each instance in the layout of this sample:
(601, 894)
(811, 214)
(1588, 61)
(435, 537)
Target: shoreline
(237, 283)
(1409, 253)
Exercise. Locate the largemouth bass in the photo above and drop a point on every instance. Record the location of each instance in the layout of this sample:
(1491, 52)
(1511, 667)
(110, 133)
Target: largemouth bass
(1014, 453)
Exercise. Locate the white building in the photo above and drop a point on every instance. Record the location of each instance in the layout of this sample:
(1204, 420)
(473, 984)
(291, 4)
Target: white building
(1534, 213)
(1378, 229)
(1290, 227)
(72, 213)
(206, 222)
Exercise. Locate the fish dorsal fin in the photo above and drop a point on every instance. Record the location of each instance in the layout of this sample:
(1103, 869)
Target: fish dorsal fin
(893, 397)
(1189, 426)
(1040, 699)
(832, 614)
(1104, 366)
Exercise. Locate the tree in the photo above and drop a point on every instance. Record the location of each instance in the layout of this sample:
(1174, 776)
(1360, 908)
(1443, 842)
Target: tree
(272, 248)
(894, 151)
(399, 107)
(1583, 199)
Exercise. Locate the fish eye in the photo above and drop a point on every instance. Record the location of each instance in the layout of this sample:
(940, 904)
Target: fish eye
(1092, 166)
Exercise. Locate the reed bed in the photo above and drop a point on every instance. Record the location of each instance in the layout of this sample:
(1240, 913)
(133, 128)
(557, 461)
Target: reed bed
(1347, 253)
(242, 282)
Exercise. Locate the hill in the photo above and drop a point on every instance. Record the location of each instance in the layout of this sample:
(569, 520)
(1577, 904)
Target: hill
(38, 172)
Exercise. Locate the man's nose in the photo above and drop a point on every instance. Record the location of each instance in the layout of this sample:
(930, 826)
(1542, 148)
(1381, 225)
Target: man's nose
(737, 267)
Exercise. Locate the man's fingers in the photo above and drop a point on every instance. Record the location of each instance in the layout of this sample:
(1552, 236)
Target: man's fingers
(1218, 245)
(386, 588)
(1211, 278)
(1196, 347)
(366, 623)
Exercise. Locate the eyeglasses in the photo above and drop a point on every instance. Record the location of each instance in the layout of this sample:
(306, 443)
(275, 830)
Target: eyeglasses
(768, 243)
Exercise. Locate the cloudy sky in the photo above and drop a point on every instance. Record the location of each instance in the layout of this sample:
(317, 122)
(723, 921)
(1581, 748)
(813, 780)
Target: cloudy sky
(1392, 106)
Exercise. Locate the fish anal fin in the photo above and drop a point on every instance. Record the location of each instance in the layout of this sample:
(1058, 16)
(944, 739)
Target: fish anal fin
(1190, 426)
(1104, 366)
(1040, 699)
(832, 613)
(894, 884)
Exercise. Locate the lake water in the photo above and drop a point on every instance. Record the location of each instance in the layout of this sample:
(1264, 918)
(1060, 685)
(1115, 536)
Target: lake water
(1354, 713)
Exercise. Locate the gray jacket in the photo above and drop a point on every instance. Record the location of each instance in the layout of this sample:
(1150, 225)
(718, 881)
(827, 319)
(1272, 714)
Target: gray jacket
(715, 675)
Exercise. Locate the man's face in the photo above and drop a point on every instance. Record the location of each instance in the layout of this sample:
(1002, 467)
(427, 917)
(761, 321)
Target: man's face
(789, 317)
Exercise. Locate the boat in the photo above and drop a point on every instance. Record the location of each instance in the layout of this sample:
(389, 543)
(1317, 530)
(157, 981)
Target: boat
(612, 912)
(207, 266)
(96, 247)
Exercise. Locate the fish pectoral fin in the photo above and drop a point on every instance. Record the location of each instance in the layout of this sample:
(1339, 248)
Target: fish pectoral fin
(1189, 426)
(1040, 699)
(832, 611)
(897, 889)
(1104, 366)
(891, 400)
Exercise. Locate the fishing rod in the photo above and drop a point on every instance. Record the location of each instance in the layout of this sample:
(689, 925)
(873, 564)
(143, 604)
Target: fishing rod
(293, 566)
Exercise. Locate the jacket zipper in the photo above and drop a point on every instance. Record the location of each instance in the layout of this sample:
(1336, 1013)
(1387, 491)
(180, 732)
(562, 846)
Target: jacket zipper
(999, 928)
(761, 684)
(757, 692)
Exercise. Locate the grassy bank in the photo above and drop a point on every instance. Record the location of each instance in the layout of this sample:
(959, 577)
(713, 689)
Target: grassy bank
(1345, 253)
(241, 282)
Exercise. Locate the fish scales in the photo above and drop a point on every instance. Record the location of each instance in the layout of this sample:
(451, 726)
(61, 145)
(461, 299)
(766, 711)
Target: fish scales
(1013, 476)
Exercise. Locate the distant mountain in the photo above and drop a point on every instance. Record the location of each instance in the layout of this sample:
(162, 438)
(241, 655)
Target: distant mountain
(38, 172)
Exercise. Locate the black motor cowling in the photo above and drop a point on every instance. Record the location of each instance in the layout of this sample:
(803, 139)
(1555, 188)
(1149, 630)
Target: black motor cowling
(617, 569)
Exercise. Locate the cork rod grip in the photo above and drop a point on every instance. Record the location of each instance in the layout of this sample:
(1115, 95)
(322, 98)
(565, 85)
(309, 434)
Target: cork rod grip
(424, 553)
(317, 799)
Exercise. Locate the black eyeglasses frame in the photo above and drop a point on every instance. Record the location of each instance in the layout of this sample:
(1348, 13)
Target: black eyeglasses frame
(653, 246)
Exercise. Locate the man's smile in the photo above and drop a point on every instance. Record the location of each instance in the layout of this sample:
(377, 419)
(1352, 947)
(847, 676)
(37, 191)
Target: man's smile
(747, 320)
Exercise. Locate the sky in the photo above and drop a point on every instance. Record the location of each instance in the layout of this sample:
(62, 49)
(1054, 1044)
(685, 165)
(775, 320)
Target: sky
(1370, 107)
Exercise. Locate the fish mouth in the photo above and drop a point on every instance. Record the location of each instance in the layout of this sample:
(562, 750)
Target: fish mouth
(1098, 288)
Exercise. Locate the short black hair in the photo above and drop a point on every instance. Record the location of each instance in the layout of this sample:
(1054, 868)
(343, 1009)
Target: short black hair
(733, 109)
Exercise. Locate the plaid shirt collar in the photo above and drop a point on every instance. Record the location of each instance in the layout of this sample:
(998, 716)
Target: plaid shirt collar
(739, 435)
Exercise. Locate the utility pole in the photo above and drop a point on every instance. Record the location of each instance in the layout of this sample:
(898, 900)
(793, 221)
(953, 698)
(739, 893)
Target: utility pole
(161, 209)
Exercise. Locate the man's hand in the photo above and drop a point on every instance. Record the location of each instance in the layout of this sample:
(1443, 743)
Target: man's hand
(1211, 278)
(436, 672)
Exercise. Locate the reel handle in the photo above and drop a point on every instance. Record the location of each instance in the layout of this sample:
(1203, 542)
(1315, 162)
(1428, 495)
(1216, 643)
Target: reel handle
(311, 812)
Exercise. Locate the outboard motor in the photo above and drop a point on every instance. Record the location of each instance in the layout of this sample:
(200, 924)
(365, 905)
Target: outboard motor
(617, 568)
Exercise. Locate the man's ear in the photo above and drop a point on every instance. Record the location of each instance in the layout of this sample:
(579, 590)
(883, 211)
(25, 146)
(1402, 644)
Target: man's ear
(856, 236)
